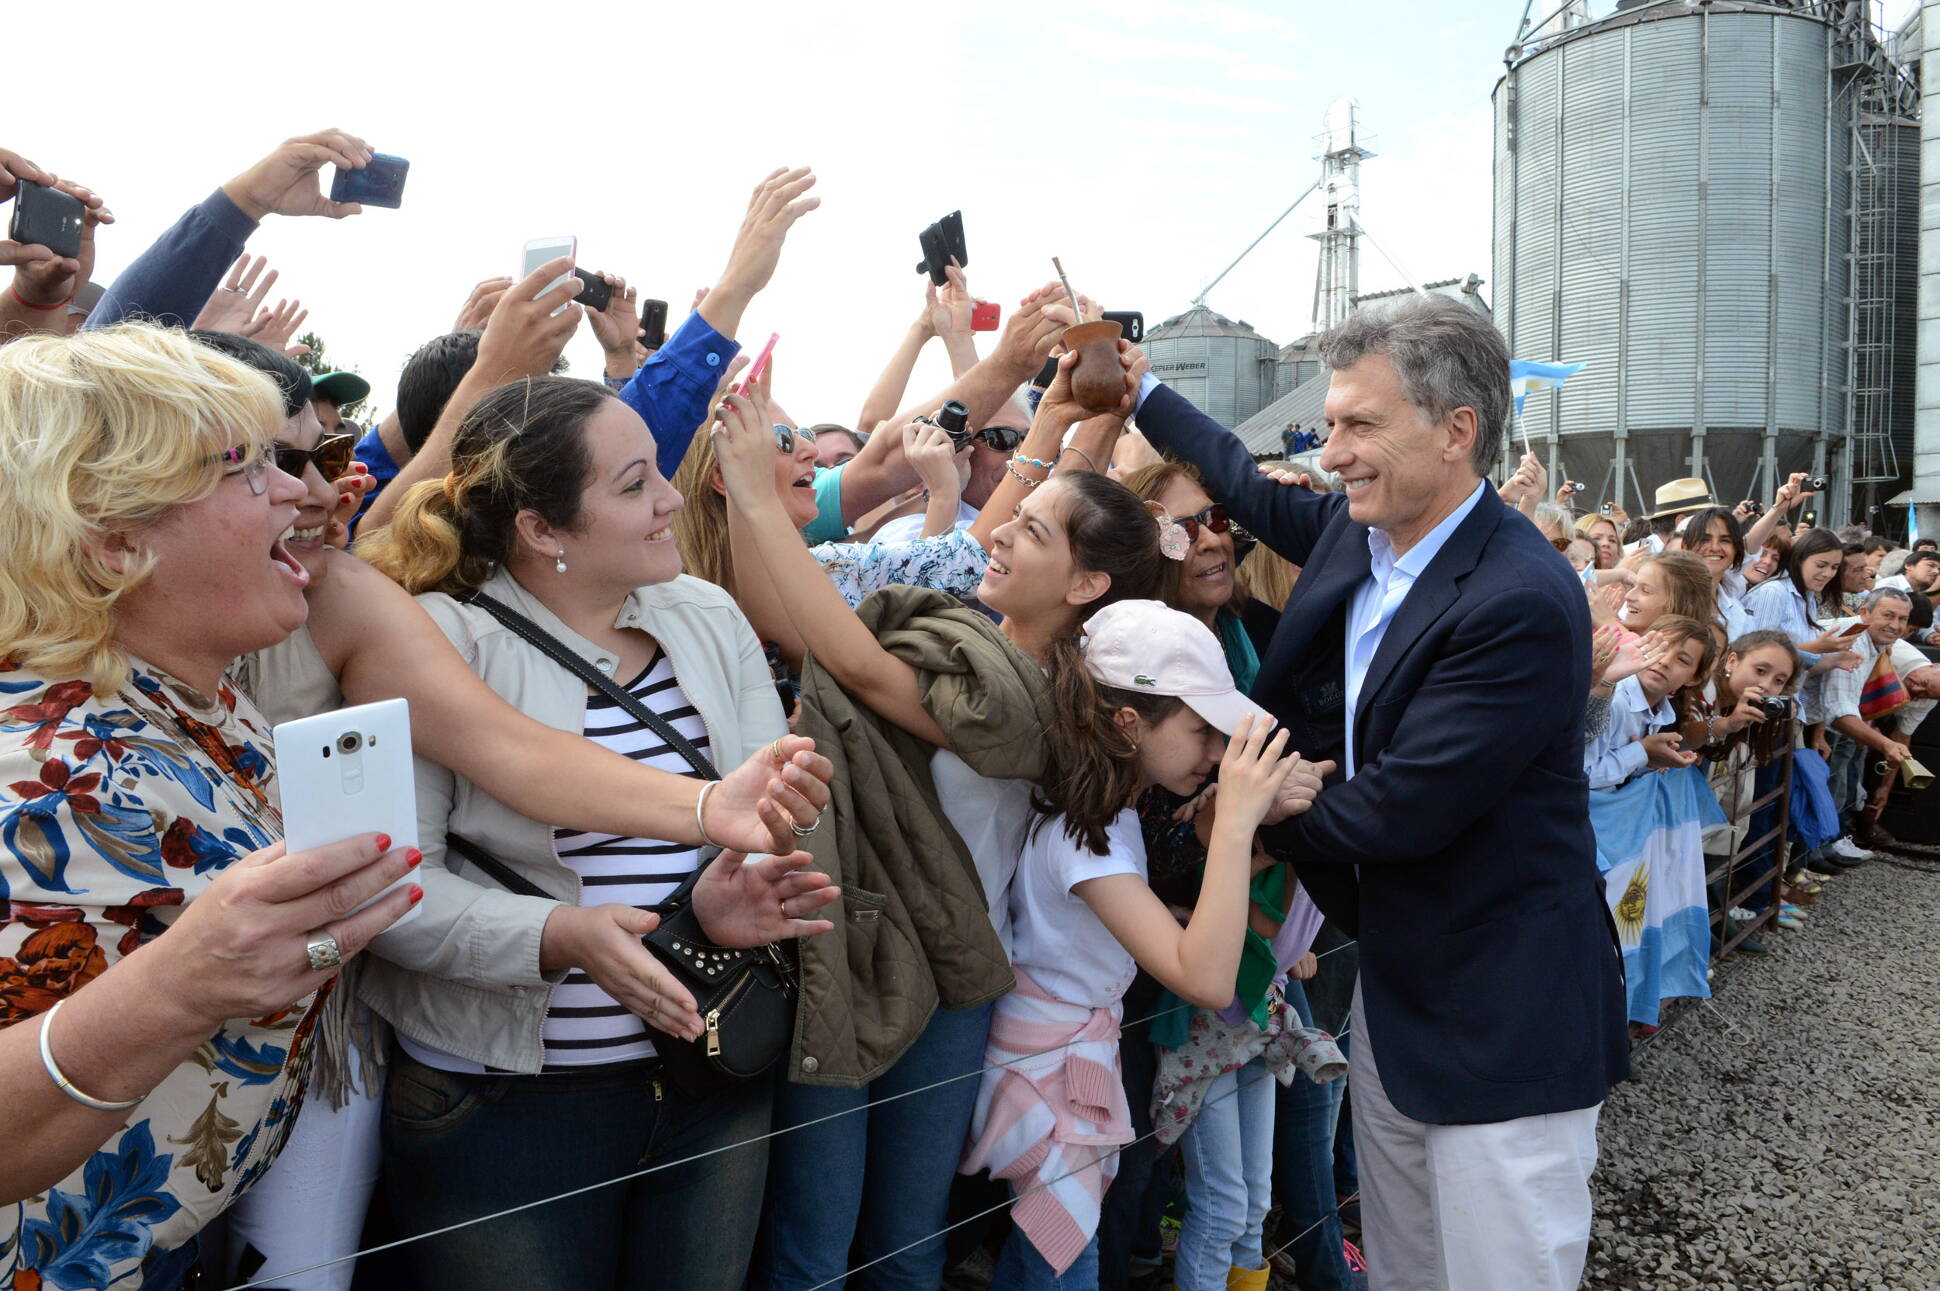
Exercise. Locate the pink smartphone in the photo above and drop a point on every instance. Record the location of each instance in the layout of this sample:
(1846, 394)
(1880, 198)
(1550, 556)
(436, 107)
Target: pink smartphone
(759, 367)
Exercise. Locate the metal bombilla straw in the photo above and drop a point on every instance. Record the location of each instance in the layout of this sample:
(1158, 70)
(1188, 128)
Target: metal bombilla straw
(1076, 308)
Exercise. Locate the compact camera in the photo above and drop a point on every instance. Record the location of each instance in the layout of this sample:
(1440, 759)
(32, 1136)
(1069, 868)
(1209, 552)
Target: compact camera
(1775, 707)
(1818, 484)
(953, 418)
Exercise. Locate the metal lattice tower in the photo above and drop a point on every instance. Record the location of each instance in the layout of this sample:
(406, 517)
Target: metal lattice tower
(1880, 101)
(1337, 278)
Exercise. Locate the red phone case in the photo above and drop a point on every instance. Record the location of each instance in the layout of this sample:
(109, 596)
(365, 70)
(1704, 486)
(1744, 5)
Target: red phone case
(984, 315)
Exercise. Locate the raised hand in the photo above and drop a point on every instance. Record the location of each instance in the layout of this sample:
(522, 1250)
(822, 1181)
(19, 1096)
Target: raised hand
(41, 278)
(286, 182)
(1603, 650)
(523, 337)
(934, 457)
(743, 903)
(744, 444)
(1062, 410)
(948, 310)
(235, 305)
(617, 327)
(479, 305)
(278, 325)
(777, 202)
(1251, 776)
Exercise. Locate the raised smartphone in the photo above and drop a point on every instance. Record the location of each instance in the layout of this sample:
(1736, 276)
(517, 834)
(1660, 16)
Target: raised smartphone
(47, 217)
(347, 773)
(653, 323)
(540, 250)
(379, 182)
(595, 292)
(759, 367)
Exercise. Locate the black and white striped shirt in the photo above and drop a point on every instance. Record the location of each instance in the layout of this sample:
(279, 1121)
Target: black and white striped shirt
(584, 1025)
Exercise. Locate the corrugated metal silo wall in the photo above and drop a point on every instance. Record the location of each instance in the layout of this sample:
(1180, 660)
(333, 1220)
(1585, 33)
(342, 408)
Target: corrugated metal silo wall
(1672, 213)
(1222, 376)
(1905, 141)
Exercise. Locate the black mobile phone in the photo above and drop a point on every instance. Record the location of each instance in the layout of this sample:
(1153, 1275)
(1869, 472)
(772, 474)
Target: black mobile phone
(942, 242)
(47, 217)
(379, 183)
(653, 323)
(1130, 321)
(595, 293)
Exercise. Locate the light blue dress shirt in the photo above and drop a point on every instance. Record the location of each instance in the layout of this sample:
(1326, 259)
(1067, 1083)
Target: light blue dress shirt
(1614, 755)
(1377, 600)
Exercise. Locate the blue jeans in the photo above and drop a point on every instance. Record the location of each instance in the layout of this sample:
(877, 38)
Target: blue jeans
(1123, 1222)
(863, 1186)
(1306, 1115)
(1848, 767)
(1228, 1151)
(457, 1147)
(1021, 1268)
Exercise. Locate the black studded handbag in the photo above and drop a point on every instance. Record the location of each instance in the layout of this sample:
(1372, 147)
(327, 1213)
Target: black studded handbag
(745, 996)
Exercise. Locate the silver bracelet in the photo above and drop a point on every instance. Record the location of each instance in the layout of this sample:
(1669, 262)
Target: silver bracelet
(1073, 448)
(61, 1082)
(700, 803)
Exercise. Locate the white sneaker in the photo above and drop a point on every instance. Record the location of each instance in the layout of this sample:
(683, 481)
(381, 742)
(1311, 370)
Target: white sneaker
(1741, 915)
(1850, 850)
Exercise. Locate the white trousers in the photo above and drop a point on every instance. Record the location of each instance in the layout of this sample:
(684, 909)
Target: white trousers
(1468, 1207)
(309, 1206)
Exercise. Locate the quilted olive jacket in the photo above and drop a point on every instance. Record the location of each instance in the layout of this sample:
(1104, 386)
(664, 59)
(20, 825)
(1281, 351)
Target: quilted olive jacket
(913, 930)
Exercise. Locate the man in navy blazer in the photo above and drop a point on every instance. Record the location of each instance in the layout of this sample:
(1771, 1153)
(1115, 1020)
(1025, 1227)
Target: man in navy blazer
(1437, 647)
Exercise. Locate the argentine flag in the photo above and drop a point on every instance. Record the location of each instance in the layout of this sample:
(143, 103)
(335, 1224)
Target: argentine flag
(1650, 847)
(1525, 377)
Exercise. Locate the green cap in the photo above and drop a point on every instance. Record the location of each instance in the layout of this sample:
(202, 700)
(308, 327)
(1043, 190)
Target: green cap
(340, 388)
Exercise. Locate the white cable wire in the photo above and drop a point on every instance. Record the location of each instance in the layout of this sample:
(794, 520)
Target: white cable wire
(1038, 1187)
(698, 1156)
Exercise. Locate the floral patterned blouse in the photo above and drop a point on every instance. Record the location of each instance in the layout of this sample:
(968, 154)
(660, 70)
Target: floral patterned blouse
(115, 810)
(953, 563)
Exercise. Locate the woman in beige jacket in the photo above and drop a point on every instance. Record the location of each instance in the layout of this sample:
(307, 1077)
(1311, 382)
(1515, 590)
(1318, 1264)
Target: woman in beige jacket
(526, 1025)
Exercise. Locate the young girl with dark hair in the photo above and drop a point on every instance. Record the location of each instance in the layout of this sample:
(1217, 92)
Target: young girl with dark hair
(938, 721)
(1147, 701)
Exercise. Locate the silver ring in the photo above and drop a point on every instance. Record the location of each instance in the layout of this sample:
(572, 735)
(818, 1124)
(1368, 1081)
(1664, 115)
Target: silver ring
(325, 954)
(237, 290)
(804, 833)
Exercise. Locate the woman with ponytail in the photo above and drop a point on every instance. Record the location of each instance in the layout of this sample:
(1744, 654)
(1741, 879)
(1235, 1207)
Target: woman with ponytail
(938, 721)
(526, 1008)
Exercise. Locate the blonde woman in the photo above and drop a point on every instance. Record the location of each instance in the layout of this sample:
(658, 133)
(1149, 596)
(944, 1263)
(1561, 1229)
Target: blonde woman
(142, 518)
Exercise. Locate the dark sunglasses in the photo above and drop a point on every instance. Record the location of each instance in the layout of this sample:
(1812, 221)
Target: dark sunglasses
(332, 455)
(786, 437)
(1002, 438)
(1214, 517)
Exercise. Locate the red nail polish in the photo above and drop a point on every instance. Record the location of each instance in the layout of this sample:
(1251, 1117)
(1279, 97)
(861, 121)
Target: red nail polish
(413, 857)
(417, 894)
(383, 842)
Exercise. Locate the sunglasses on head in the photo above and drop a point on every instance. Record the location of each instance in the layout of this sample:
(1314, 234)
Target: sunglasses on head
(786, 437)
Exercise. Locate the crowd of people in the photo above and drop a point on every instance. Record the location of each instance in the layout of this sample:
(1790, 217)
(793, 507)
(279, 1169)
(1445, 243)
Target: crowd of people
(1055, 794)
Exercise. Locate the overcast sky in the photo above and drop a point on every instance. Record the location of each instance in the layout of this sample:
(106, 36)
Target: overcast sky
(1144, 141)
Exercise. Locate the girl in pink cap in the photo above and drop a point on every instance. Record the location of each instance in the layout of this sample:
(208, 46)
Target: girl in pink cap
(1149, 701)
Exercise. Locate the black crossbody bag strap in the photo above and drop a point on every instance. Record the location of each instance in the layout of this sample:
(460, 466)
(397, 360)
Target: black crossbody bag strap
(556, 650)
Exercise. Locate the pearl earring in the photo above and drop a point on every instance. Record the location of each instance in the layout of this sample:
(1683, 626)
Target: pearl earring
(560, 564)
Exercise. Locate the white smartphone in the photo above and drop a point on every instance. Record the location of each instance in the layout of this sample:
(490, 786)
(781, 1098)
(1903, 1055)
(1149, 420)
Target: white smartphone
(540, 250)
(347, 773)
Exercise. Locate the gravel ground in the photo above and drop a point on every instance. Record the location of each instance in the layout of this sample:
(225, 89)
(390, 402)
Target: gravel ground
(1787, 1138)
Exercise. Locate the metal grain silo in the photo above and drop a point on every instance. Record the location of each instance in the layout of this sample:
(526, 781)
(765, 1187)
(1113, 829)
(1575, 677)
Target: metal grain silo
(1671, 206)
(1225, 369)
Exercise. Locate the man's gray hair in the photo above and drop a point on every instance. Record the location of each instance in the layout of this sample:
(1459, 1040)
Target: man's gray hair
(1447, 355)
(1874, 597)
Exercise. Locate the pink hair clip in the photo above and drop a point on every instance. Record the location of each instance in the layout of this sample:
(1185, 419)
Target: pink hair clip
(1174, 541)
